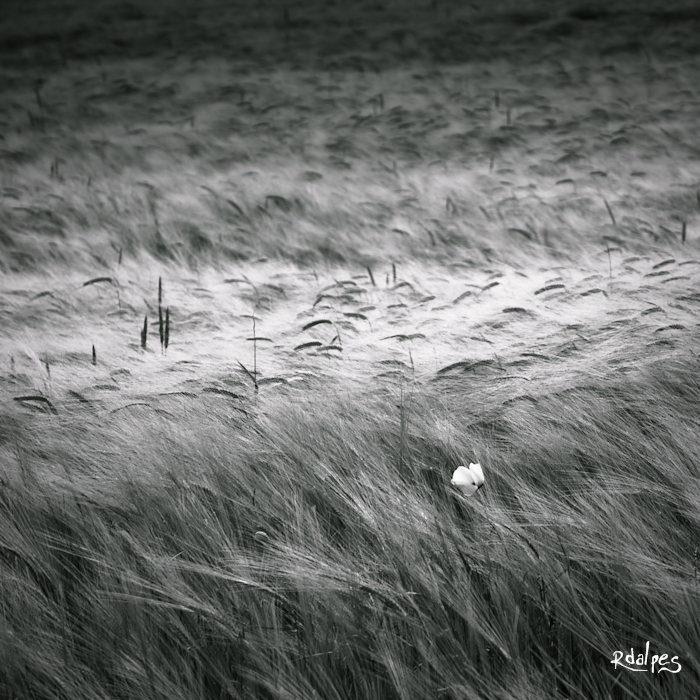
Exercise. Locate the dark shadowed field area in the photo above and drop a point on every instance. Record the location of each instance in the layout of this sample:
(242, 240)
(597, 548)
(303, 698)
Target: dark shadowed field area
(271, 271)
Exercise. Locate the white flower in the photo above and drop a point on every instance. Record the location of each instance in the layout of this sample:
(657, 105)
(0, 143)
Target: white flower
(468, 480)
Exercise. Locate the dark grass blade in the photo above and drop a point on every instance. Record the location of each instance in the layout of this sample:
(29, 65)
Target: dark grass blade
(38, 399)
(316, 323)
(612, 216)
(98, 279)
(252, 378)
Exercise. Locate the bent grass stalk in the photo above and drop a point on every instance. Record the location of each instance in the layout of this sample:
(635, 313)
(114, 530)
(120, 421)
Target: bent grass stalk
(612, 216)
(161, 329)
(254, 375)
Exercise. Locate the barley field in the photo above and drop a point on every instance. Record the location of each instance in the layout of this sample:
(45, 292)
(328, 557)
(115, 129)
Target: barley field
(271, 271)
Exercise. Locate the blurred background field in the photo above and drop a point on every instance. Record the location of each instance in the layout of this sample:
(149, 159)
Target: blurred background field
(269, 272)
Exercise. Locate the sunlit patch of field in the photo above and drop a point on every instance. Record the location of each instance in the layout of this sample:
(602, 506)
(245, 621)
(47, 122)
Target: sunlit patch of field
(499, 326)
(256, 305)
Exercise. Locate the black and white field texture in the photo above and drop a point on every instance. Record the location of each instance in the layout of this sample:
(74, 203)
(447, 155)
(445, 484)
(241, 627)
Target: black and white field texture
(271, 271)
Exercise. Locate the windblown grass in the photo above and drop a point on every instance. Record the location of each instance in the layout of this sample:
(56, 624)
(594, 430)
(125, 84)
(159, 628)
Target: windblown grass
(471, 237)
(131, 558)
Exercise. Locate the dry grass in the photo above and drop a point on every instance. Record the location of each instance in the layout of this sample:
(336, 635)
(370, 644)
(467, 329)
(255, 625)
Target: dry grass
(471, 236)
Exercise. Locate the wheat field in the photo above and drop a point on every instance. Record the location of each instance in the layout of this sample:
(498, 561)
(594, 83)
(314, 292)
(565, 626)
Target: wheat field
(270, 272)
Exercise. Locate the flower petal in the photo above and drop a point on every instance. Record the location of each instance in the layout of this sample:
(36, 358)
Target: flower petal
(465, 481)
(478, 473)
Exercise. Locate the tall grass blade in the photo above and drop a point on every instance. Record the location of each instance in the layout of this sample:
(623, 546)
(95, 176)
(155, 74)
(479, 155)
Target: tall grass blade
(252, 378)
(371, 276)
(612, 216)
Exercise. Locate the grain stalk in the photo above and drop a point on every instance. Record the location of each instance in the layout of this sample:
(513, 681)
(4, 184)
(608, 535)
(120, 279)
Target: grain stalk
(166, 340)
(161, 328)
(403, 430)
(94, 356)
(612, 216)
(371, 276)
(254, 375)
(255, 356)
(144, 332)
